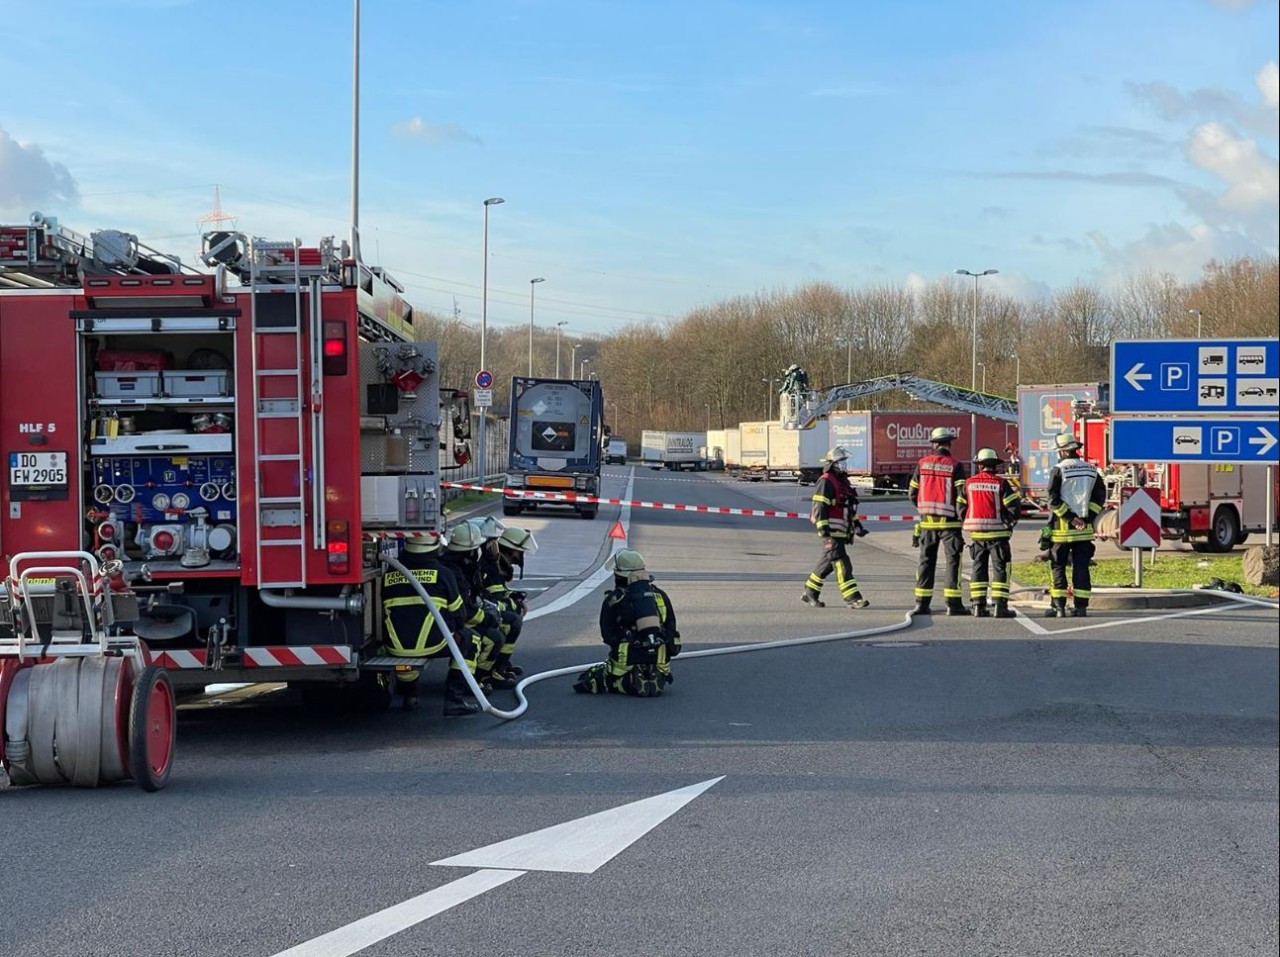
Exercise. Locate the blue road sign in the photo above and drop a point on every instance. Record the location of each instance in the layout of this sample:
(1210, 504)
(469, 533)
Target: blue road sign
(1222, 440)
(484, 379)
(1210, 377)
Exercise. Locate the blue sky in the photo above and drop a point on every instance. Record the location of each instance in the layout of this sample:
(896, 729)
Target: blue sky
(656, 156)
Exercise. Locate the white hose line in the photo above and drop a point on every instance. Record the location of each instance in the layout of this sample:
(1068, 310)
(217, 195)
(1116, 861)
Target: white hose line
(489, 708)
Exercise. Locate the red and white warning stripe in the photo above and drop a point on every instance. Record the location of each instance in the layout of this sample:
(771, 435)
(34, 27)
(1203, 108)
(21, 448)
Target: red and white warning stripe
(671, 506)
(274, 656)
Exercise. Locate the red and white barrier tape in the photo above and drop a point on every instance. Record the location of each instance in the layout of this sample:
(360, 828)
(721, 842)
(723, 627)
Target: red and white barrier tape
(671, 506)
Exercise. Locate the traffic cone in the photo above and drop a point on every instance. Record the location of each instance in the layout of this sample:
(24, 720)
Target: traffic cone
(618, 531)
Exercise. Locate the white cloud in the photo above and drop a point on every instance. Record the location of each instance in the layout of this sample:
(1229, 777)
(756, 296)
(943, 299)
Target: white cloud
(433, 133)
(1233, 4)
(29, 180)
(1268, 81)
(1252, 180)
(1170, 248)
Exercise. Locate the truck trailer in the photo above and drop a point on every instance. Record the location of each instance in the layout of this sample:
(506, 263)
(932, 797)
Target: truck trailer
(554, 445)
(675, 451)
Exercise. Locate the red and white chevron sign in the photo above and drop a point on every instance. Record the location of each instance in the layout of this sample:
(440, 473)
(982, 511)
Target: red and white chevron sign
(672, 506)
(1140, 518)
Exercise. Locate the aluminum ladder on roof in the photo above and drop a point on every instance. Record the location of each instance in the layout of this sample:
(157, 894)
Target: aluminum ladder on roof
(279, 463)
(811, 406)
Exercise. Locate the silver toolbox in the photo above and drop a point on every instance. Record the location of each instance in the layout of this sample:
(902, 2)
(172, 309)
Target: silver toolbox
(127, 385)
(203, 384)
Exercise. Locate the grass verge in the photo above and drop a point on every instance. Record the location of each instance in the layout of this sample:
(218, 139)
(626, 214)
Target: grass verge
(1169, 571)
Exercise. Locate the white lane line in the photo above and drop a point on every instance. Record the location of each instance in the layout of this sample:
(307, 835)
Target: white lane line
(367, 931)
(600, 575)
(1141, 621)
(585, 844)
(1032, 626)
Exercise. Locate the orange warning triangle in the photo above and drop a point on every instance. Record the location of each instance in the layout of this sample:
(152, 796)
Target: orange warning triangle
(618, 531)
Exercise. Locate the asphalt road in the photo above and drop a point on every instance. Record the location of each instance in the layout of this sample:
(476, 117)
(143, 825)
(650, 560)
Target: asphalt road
(961, 787)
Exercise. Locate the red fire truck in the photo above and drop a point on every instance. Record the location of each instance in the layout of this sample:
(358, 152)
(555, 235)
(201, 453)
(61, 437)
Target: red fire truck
(246, 438)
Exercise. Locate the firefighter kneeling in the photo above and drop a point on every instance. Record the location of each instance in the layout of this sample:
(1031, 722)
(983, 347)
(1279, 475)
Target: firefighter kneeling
(638, 623)
(411, 630)
(990, 512)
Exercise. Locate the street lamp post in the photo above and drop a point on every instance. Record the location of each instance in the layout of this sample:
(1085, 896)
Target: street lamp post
(1199, 320)
(481, 449)
(1017, 370)
(973, 380)
(582, 366)
(559, 325)
(708, 416)
(532, 285)
(768, 398)
(983, 367)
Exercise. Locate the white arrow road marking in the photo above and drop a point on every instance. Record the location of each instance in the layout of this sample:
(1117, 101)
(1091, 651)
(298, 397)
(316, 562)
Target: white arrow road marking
(584, 845)
(579, 846)
(367, 931)
(1135, 377)
(1267, 441)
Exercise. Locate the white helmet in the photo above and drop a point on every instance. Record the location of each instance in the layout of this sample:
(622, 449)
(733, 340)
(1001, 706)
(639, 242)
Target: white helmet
(488, 526)
(942, 436)
(837, 455)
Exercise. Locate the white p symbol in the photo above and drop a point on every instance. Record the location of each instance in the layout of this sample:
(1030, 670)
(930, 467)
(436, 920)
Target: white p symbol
(1177, 376)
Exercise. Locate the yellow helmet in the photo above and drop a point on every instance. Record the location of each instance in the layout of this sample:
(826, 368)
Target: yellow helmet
(518, 540)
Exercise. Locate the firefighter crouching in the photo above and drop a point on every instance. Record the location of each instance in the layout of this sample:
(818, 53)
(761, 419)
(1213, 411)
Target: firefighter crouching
(462, 557)
(502, 552)
(411, 630)
(990, 513)
(937, 492)
(834, 513)
(638, 623)
(1076, 497)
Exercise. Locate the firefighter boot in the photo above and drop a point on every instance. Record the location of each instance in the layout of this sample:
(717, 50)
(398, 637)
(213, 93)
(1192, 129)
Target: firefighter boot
(457, 701)
(1003, 610)
(979, 609)
(1057, 608)
(956, 608)
(922, 607)
(810, 597)
(856, 601)
(1081, 609)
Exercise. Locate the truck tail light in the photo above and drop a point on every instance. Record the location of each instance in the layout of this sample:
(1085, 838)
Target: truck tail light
(338, 546)
(335, 347)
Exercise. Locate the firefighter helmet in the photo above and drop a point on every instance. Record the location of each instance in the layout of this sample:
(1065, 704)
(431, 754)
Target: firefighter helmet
(836, 455)
(518, 540)
(423, 543)
(1066, 442)
(941, 436)
(987, 456)
(465, 538)
(626, 561)
(488, 526)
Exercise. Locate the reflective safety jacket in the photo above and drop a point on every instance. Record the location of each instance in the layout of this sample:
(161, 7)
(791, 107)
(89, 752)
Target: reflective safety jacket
(410, 627)
(638, 623)
(937, 491)
(1076, 490)
(990, 506)
(834, 506)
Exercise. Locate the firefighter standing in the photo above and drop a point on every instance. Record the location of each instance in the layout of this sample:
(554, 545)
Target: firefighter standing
(834, 512)
(990, 512)
(638, 623)
(937, 491)
(411, 630)
(1077, 494)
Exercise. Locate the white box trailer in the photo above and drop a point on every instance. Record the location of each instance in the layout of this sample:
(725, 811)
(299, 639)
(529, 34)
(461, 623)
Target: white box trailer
(732, 450)
(795, 453)
(671, 450)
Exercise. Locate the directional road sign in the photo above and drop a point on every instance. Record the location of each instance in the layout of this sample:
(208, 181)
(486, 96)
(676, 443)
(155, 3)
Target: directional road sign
(1211, 377)
(1140, 518)
(1222, 440)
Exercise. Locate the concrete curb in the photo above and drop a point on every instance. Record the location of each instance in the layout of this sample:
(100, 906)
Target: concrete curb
(1133, 599)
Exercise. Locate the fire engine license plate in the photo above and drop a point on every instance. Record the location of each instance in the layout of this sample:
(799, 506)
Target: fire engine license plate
(37, 468)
